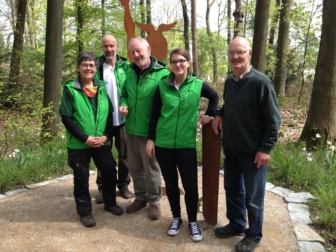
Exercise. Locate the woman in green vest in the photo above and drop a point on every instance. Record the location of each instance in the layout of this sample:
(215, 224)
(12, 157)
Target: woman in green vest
(86, 113)
(172, 135)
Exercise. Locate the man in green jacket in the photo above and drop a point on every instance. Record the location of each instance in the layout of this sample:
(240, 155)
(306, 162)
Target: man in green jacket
(135, 104)
(112, 69)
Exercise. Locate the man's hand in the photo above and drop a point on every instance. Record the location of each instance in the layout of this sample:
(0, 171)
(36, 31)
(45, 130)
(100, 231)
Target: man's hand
(261, 158)
(206, 119)
(150, 149)
(217, 124)
(123, 110)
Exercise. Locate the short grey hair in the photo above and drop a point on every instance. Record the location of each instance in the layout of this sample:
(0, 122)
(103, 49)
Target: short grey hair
(143, 41)
(86, 56)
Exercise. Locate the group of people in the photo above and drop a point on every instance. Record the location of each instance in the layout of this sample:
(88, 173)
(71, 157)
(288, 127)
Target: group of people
(151, 114)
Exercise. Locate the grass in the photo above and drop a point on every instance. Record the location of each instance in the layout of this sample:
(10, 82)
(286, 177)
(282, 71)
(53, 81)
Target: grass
(27, 165)
(292, 167)
(33, 163)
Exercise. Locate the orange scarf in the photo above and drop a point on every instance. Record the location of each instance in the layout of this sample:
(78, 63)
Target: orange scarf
(90, 91)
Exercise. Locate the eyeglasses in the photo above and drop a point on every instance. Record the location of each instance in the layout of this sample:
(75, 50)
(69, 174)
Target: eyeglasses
(181, 61)
(239, 53)
(88, 65)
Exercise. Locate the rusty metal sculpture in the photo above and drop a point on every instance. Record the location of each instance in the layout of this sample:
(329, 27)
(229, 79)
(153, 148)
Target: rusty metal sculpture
(155, 38)
(210, 173)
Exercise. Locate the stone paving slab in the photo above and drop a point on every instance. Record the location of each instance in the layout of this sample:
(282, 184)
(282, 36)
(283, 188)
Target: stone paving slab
(299, 213)
(306, 234)
(311, 247)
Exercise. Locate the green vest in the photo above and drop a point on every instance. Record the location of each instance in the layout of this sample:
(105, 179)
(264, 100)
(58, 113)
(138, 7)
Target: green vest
(177, 125)
(83, 115)
(137, 96)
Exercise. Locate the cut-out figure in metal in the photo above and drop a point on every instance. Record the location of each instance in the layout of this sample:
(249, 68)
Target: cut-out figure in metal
(155, 38)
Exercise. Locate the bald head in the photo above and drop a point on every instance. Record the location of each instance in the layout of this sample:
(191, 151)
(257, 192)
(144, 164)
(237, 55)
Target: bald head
(241, 41)
(108, 37)
(109, 47)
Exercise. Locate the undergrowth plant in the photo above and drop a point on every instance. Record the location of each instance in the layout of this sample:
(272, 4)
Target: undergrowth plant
(293, 167)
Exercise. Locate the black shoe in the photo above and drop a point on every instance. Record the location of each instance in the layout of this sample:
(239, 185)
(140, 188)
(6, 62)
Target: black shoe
(116, 210)
(125, 193)
(195, 232)
(88, 220)
(99, 198)
(228, 231)
(247, 245)
(175, 226)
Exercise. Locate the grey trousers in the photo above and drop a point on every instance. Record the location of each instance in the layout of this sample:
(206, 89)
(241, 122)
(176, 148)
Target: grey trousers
(145, 171)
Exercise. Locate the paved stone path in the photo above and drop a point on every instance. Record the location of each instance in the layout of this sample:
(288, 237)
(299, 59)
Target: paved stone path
(43, 218)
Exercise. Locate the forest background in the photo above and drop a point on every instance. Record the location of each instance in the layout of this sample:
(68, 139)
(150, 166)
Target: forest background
(293, 42)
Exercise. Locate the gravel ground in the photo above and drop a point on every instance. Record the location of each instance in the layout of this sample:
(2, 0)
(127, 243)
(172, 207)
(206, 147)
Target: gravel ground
(45, 219)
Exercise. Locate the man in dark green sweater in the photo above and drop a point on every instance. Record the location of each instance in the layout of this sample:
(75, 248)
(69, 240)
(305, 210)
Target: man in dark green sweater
(250, 122)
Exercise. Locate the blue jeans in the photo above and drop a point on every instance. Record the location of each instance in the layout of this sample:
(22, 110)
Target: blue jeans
(244, 186)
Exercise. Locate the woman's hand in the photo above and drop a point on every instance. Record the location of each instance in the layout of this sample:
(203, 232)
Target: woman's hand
(91, 141)
(206, 119)
(100, 141)
(150, 148)
(96, 142)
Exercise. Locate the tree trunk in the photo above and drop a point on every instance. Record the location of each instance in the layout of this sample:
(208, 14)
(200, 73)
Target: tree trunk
(229, 23)
(306, 44)
(52, 68)
(260, 35)
(213, 49)
(103, 18)
(143, 17)
(148, 12)
(14, 70)
(238, 15)
(282, 50)
(80, 24)
(186, 25)
(194, 37)
(31, 24)
(321, 117)
(274, 23)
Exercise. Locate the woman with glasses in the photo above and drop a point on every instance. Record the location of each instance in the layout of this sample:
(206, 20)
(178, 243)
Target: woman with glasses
(86, 113)
(172, 135)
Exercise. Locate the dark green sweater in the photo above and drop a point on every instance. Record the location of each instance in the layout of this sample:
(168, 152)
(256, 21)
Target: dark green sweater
(250, 113)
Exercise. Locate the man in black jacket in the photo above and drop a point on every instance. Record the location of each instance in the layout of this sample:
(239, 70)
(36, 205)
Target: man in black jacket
(250, 122)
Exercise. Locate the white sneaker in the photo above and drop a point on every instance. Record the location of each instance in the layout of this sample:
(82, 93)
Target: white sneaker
(175, 226)
(195, 231)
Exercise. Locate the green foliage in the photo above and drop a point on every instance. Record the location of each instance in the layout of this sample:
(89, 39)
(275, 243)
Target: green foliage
(33, 163)
(292, 166)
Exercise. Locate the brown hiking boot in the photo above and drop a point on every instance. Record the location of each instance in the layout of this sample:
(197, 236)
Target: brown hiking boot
(125, 193)
(116, 210)
(88, 220)
(136, 206)
(99, 198)
(154, 212)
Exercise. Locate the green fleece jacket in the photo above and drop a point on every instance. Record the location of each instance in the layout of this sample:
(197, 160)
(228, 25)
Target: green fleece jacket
(137, 95)
(177, 124)
(250, 113)
(120, 69)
